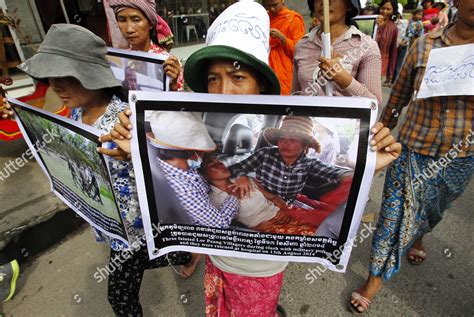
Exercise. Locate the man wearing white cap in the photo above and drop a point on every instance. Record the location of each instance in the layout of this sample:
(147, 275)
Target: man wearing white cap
(180, 137)
(235, 61)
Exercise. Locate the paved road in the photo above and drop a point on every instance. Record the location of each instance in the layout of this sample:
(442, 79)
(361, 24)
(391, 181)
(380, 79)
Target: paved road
(60, 282)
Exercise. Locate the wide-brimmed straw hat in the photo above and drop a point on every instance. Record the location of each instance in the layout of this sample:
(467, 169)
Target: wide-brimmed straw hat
(72, 51)
(241, 33)
(179, 130)
(295, 127)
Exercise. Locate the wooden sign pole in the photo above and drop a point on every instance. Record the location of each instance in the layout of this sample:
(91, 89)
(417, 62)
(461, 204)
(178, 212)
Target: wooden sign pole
(326, 39)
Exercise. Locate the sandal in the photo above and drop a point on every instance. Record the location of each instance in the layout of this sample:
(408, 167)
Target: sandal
(361, 301)
(420, 254)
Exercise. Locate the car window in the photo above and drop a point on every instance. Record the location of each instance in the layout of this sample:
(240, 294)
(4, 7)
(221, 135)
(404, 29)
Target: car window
(336, 136)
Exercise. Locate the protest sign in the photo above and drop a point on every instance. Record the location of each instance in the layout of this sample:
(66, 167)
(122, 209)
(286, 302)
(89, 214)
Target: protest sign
(138, 70)
(66, 151)
(453, 76)
(190, 209)
(367, 24)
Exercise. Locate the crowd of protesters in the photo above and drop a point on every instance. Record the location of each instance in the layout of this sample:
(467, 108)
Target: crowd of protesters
(291, 63)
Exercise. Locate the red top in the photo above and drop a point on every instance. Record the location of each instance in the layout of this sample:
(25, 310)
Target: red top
(387, 36)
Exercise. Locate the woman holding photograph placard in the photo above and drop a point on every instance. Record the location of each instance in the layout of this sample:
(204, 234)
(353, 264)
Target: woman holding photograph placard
(237, 286)
(72, 59)
(356, 61)
(436, 133)
(146, 31)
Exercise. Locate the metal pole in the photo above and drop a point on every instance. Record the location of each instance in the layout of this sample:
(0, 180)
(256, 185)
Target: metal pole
(65, 12)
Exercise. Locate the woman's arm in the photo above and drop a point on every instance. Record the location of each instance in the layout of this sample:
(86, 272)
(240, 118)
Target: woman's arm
(402, 90)
(174, 71)
(277, 200)
(121, 136)
(367, 82)
(295, 87)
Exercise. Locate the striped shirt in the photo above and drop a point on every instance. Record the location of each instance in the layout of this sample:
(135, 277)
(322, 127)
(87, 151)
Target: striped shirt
(192, 191)
(361, 59)
(286, 181)
(436, 125)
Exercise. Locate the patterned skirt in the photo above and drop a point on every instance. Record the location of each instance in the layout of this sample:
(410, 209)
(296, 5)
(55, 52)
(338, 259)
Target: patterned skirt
(418, 189)
(229, 295)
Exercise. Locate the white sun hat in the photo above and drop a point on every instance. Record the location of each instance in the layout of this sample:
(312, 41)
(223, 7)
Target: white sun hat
(242, 34)
(179, 130)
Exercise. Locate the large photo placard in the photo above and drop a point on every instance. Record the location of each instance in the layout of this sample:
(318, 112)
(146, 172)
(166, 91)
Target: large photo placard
(189, 150)
(79, 176)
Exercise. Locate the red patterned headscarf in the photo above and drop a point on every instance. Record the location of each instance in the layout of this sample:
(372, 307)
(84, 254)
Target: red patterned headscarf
(148, 7)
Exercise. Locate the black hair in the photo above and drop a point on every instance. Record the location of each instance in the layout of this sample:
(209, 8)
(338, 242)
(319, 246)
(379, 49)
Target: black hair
(394, 4)
(119, 91)
(166, 155)
(419, 10)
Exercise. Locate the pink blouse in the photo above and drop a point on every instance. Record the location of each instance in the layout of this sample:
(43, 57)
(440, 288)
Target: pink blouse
(361, 59)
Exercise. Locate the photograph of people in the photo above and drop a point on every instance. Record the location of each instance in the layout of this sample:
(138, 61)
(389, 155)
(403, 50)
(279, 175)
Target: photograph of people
(130, 82)
(136, 74)
(180, 139)
(283, 168)
(260, 210)
(73, 162)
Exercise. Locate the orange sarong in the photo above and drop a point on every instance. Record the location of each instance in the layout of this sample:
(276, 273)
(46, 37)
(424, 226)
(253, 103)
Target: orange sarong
(291, 24)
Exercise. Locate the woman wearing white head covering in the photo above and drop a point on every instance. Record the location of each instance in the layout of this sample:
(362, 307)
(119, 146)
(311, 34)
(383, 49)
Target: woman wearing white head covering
(235, 61)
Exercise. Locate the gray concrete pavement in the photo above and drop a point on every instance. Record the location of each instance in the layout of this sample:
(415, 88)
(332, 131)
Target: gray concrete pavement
(25, 192)
(60, 282)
